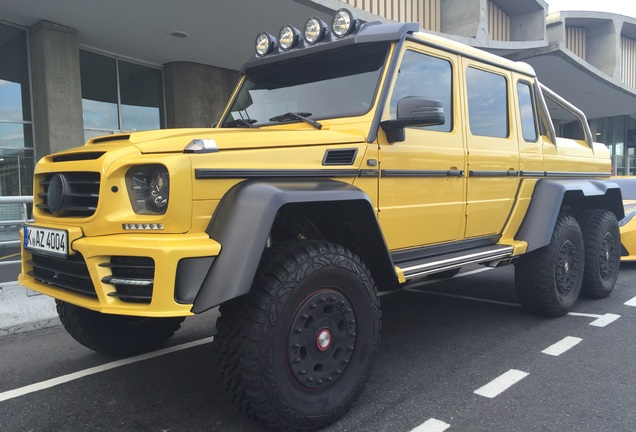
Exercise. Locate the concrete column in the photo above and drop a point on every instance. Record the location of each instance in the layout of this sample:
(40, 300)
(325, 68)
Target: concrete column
(57, 90)
(464, 18)
(196, 94)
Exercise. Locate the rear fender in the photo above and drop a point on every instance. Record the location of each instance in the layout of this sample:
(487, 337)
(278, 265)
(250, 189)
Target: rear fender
(572, 195)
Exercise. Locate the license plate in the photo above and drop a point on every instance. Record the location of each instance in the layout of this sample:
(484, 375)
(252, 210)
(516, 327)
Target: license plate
(46, 240)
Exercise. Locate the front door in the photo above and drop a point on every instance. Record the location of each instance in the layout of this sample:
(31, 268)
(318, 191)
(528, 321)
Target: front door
(422, 179)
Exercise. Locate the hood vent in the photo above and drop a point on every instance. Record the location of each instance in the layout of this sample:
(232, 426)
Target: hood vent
(340, 157)
(71, 157)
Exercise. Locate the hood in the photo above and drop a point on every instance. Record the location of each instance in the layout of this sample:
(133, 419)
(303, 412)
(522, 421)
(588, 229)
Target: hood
(174, 140)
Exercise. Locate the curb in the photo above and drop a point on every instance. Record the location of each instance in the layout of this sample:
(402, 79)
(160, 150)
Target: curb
(22, 310)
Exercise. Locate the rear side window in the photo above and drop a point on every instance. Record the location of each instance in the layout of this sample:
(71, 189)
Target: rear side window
(526, 111)
(487, 103)
(426, 76)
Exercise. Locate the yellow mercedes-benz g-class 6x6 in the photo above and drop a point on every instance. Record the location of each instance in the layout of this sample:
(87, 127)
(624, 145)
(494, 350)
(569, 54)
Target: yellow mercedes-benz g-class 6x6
(352, 157)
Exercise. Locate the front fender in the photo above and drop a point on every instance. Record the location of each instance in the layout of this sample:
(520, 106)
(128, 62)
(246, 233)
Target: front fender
(242, 224)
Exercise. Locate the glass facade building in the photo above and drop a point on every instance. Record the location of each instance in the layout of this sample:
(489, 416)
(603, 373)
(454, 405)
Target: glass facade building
(16, 122)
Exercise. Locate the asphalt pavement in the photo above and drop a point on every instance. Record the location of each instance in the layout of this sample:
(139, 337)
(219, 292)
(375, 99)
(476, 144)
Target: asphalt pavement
(456, 355)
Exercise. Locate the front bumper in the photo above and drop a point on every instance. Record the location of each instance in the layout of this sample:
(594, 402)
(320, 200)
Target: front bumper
(165, 251)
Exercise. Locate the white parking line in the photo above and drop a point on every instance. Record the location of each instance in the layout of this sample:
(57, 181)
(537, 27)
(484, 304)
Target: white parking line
(501, 383)
(97, 369)
(432, 425)
(631, 302)
(600, 321)
(562, 346)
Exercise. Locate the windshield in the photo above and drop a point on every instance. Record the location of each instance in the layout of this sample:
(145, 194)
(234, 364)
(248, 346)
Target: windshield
(330, 84)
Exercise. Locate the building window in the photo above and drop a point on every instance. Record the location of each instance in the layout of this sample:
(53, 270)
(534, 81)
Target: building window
(119, 96)
(16, 126)
(487, 103)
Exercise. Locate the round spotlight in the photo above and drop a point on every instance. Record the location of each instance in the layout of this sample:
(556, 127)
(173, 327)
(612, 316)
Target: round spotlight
(288, 37)
(315, 30)
(264, 44)
(343, 23)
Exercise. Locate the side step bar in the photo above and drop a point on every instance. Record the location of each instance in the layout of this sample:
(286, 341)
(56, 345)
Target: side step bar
(439, 263)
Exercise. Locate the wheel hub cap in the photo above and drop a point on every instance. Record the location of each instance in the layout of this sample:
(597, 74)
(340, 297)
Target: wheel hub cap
(608, 256)
(321, 339)
(567, 260)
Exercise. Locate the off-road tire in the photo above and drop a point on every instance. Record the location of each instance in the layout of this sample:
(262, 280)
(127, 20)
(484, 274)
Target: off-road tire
(548, 280)
(602, 252)
(115, 335)
(269, 343)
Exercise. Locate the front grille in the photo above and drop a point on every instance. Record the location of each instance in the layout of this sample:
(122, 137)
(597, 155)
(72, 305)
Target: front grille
(133, 278)
(70, 274)
(78, 197)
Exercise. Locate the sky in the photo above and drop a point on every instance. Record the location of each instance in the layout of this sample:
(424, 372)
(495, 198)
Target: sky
(623, 7)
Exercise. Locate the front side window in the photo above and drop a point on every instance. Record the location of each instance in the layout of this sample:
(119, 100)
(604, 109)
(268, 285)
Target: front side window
(426, 76)
(332, 84)
(487, 103)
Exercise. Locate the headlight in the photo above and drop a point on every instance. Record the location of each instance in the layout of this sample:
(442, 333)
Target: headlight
(264, 44)
(148, 189)
(288, 37)
(343, 23)
(315, 30)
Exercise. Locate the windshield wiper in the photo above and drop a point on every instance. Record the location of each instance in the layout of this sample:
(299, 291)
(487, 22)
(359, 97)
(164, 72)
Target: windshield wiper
(242, 123)
(297, 116)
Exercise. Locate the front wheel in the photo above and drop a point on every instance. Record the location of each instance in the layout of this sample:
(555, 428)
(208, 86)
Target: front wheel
(115, 335)
(548, 280)
(296, 352)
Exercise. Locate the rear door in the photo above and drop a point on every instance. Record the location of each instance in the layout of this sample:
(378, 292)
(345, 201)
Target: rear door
(493, 151)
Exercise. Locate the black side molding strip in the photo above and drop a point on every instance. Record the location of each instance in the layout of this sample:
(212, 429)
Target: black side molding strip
(422, 173)
(205, 173)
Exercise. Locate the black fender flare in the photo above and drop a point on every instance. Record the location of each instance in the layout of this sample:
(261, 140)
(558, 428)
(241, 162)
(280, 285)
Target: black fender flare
(550, 195)
(245, 216)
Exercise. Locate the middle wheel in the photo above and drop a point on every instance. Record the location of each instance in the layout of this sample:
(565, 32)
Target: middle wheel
(548, 280)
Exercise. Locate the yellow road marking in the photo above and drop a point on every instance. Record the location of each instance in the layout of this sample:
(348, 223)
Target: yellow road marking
(9, 256)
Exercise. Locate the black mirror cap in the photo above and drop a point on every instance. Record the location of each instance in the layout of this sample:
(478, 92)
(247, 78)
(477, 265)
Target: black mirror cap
(413, 111)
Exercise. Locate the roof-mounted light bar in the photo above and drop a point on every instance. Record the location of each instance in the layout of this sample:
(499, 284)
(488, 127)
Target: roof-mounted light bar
(315, 30)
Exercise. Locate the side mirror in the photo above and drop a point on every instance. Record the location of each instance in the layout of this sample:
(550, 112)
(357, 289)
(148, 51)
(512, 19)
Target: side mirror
(413, 111)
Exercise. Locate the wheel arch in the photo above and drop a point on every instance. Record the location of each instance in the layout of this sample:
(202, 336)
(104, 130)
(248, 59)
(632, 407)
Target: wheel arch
(246, 215)
(552, 196)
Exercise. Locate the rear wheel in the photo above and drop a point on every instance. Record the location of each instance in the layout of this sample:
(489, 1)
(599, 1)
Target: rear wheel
(115, 335)
(548, 280)
(602, 252)
(296, 352)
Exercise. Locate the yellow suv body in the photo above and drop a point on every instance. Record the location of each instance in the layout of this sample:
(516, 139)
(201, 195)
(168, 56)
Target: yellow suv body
(370, 157)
